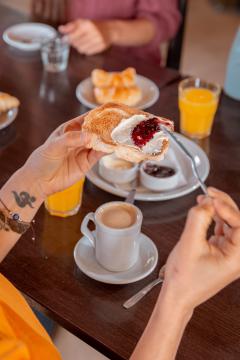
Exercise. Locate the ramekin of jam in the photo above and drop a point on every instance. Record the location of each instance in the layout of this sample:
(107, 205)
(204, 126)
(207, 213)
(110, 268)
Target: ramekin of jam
(159, 176)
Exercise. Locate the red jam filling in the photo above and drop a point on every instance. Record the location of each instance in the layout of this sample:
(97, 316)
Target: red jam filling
(144, 131)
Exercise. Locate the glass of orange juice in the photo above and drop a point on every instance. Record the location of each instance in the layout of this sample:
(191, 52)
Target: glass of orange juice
(198, 101)
(67, 202)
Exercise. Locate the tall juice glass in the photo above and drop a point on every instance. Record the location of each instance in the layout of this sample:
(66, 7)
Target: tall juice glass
(67, 202)
(198, 101)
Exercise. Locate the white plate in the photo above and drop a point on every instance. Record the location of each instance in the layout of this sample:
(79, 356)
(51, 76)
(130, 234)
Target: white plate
(7, 117)
(84, 255)
(150, 93)
(36, 32)
(186, 185)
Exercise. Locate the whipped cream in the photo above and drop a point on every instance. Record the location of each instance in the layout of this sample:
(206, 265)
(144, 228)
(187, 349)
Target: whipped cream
(113, 162)
(122, 135)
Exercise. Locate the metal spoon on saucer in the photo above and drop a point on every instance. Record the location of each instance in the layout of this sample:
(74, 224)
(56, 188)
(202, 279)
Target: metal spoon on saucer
(140, 294)
(131, 195)
(189, 155)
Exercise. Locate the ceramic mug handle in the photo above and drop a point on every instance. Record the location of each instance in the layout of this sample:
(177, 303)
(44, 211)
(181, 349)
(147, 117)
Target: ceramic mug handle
(85, 230)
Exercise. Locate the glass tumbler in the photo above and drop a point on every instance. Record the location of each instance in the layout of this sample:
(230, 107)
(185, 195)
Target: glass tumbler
(55, 55)
(67, 202)
(198, 101)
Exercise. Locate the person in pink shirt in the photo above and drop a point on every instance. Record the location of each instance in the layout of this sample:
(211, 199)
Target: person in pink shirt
(137, 25)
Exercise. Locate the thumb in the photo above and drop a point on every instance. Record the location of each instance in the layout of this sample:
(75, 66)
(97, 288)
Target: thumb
(198, 221)
(71, 139)
(67, 28)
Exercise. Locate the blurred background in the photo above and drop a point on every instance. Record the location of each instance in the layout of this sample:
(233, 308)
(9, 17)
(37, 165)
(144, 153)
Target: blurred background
(209, 32)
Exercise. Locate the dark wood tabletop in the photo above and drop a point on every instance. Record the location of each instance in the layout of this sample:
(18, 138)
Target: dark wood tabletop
(45, 269)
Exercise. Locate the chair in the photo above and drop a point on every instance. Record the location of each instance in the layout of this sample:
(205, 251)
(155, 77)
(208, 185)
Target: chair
(52, 12)
(175, 45)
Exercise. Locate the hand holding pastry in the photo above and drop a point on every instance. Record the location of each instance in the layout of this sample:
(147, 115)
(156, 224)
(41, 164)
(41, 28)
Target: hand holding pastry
(63, 159)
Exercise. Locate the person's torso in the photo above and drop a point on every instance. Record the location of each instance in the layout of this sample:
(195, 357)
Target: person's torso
(101, 9)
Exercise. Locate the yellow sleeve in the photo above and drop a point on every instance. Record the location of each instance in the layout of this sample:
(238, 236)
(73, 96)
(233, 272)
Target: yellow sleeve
(21, 335)
(13, 349)
(10, 347)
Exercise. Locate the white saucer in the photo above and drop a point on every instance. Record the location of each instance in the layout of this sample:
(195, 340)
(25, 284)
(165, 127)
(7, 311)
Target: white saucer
(84, 256)
(150, 93)
(36, 33)
(187, 181)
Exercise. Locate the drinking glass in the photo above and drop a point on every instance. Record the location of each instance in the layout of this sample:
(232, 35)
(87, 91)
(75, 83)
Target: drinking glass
(198, 101)
(67, 202)
(55, 55)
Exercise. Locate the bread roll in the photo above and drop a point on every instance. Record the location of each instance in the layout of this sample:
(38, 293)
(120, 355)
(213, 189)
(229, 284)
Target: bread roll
(126, 95)
(134, 135)
(8, 102)
(104, 79)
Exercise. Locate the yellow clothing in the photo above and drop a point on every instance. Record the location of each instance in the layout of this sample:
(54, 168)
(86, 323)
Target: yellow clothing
(22, 337)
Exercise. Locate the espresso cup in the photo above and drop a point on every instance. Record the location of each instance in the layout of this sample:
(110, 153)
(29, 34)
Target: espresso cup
(117, 234)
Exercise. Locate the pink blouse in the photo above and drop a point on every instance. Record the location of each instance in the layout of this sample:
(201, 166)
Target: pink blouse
(163, 13)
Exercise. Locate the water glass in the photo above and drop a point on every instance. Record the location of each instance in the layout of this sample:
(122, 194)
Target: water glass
(55, 55)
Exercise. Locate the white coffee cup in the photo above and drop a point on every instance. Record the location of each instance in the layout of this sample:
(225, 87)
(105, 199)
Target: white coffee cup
(116, 249)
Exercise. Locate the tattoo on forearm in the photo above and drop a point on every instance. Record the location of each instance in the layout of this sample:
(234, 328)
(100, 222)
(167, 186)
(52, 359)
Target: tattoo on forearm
(23, 199)
(7, 224)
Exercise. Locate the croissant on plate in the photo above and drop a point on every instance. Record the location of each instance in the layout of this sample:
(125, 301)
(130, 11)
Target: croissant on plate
(8, 102)
(116, 87)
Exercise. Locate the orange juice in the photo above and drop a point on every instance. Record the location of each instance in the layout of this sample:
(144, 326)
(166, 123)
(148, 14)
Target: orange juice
(197, 106)
(67, 202)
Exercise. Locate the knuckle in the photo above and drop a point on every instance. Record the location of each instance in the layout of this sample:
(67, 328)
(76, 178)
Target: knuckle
(69, 135)
(196, 211)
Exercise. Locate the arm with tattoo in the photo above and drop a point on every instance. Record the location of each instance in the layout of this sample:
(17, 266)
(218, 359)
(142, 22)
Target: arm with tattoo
(57, 164)
(20, 207)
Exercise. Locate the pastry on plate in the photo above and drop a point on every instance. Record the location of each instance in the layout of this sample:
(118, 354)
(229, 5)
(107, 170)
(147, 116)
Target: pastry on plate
(116, 86)
(125, 78)
(133, 135)
(125, 95)
(8, 102)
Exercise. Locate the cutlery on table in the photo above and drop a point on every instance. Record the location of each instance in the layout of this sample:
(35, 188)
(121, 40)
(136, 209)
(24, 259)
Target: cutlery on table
(140, 294)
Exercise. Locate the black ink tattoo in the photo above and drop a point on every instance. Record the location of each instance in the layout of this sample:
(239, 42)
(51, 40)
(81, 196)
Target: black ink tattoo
(23, 199)
(7, 223)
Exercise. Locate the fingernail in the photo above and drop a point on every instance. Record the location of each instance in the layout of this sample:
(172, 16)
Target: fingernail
(207, 200)
(200, 197)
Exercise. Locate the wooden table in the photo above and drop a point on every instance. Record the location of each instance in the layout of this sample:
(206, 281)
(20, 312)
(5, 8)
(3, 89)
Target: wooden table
(45, 269)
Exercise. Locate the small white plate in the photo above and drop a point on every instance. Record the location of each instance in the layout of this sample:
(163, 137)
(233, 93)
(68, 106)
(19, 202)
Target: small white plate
(84, 255)
(7, 117)
(150, 93)
(187, 181)
(37, 33)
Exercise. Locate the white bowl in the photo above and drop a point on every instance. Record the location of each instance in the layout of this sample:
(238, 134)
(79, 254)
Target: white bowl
(116, 175)
(159, 184)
